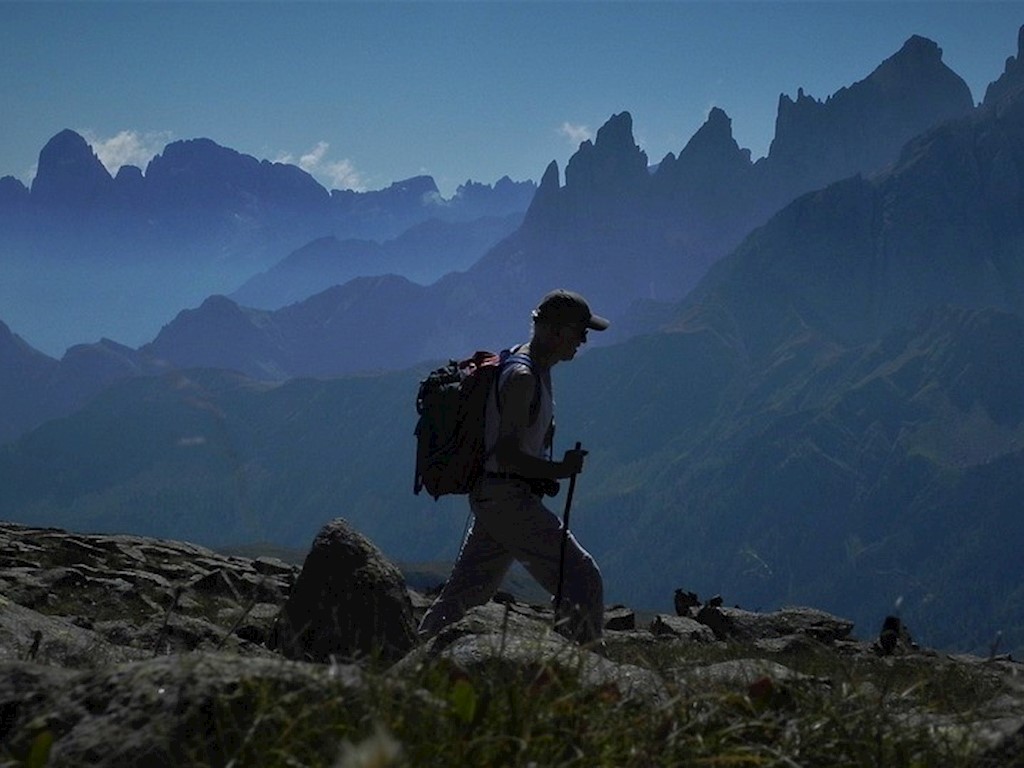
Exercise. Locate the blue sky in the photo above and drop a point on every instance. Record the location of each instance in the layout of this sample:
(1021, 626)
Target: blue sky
(364, 94)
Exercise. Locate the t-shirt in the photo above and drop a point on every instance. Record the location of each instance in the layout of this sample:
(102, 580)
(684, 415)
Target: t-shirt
(532, 439)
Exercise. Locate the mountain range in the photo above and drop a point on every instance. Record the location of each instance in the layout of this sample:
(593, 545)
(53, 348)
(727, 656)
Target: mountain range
(828, 414)
(422, 254)
(86, 255)
(653, 235)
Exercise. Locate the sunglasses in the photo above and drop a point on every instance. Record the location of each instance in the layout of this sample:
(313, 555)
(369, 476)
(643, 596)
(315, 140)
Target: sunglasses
(581, 331)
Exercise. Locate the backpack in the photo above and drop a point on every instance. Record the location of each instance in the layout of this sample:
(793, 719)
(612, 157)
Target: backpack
(451, 403)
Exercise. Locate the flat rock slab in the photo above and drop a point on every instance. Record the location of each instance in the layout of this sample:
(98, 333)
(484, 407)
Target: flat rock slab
(151, 595)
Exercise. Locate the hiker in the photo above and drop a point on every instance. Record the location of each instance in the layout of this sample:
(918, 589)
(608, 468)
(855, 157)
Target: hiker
(510, 522)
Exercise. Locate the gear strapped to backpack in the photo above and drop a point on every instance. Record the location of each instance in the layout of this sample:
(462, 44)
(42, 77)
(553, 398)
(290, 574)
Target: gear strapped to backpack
(452, 403)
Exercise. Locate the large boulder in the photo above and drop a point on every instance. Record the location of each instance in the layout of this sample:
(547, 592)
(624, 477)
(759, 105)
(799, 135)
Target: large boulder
(348, 602)
(513, 642)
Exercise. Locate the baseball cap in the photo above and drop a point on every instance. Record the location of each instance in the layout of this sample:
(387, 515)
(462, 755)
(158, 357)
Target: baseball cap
(566, 307)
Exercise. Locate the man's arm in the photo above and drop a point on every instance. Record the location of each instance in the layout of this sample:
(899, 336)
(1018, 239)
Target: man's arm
(517, 399)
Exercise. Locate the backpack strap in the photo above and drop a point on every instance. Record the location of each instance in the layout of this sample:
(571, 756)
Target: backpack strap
(508, 356)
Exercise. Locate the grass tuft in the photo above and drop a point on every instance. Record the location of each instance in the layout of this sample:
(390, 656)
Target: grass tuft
(832, 710)
(868, 713)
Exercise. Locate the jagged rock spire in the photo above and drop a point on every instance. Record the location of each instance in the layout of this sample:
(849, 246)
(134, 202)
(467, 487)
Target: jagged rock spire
(1010, 85)
(713, 145)
(70, 174)
(864, 125)
(543, 210)
(613, 159)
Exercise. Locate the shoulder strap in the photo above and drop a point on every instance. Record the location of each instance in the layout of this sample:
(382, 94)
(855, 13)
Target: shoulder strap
(507, 357)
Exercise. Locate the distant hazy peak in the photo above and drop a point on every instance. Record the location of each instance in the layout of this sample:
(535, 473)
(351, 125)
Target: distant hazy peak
(12, 191)
(916, 48)
(617, 132)
(551, 178)
(612, 162)
(714, 139)
(66, 143)
(69, 173)
(862, 126)
(1010, 85)
(415, 185)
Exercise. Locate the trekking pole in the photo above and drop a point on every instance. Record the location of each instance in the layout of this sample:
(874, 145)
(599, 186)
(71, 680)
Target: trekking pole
(565, 539)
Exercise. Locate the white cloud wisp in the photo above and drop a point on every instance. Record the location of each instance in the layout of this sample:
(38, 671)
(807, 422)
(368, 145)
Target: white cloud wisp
(127, 148)
(577, 134)
(339, 174)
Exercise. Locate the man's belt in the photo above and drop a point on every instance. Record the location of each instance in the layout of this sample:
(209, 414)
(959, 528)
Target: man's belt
(541, 486)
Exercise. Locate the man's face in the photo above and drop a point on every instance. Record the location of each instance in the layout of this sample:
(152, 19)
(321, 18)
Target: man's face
(570, 338)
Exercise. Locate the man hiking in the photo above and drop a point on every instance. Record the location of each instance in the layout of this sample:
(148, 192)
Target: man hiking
(510, 522)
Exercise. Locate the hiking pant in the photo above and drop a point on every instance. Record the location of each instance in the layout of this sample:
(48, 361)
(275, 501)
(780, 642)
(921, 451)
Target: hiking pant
(510, 523)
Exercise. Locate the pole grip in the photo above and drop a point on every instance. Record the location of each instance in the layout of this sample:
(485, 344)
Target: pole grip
(572, 487)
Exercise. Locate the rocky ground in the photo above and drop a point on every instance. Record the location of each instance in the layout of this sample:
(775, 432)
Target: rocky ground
(116, 650)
